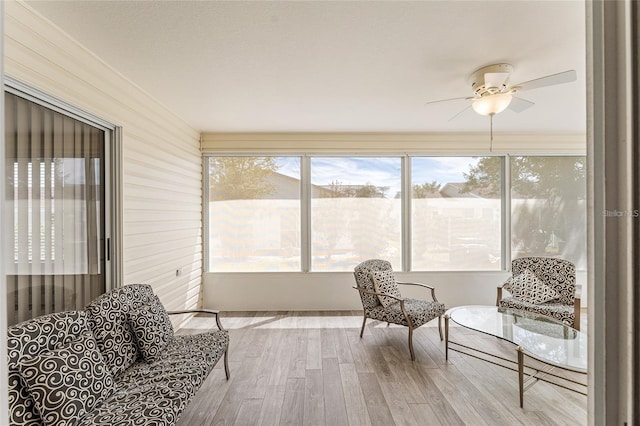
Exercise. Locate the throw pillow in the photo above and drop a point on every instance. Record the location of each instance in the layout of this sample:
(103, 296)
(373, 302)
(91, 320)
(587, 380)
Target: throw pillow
(385, 282)
(152, 329)
(68, 382)
(528, 288)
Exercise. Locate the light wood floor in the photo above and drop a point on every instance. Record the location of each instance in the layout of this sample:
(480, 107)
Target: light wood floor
(312, 368)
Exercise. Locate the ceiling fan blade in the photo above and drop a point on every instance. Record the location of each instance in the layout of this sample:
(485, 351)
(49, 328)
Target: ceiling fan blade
(496, 79)
(550, 80)
(460, 113)
(447, 100)
(519, 104)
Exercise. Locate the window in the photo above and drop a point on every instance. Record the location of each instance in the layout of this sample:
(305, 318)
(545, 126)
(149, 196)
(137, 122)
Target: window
(548, 208)
(456, 213)
(324, 213)
(254, 214)
(355, 211)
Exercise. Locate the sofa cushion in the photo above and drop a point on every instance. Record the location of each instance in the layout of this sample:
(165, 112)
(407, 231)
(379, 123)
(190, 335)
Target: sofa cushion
(28, 339)
(152, 329)
(68, 382)
(528, 288)
(156, 404)
(157, 393)
(109, 321)
(385, 282)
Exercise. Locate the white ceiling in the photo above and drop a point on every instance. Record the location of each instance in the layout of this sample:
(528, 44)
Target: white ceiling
(336, 66)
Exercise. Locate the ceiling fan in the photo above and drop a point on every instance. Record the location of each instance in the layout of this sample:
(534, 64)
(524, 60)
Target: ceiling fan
(492, 92)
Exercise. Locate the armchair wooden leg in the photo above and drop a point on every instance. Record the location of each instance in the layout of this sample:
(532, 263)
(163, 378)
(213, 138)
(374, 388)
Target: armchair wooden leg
(440, 327)
(226, 363)
(364, 320)
(413, 356)
(576, 314)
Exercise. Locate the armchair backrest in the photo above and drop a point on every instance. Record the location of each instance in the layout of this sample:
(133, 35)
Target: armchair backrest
(559, 274)
(363, 279)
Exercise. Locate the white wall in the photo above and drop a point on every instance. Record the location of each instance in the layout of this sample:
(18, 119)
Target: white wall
(333, 291)
(162, 166)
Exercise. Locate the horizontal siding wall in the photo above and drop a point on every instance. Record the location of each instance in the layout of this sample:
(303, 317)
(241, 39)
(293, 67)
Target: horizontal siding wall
(162, 166)
(410, 143)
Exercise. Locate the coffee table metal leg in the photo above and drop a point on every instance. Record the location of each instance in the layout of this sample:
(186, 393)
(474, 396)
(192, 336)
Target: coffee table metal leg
(521, 374)
(446, 337)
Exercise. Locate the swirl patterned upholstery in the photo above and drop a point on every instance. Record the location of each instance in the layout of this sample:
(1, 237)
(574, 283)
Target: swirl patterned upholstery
(411, 313)
(145, 393)
(560, 276)
(29, 339)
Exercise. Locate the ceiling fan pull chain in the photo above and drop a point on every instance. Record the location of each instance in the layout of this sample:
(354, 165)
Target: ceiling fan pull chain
(491, 132)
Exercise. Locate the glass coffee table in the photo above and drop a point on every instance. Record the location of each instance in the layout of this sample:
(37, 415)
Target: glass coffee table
(551, 342)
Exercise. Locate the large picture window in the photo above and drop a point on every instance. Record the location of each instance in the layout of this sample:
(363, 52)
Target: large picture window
(324, 213)
(456, 213)
(254, 214)
(355, 211)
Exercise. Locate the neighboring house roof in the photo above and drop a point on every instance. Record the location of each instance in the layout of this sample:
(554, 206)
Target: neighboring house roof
(287, 187)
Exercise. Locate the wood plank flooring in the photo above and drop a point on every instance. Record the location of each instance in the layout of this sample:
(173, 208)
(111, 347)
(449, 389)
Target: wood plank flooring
(312, 368)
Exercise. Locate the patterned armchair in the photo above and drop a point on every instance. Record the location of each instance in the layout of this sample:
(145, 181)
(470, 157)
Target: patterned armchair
(382, 300)
(543, 285)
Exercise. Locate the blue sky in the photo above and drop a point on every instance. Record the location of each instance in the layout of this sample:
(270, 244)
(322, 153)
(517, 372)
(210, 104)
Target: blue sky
(384, 171)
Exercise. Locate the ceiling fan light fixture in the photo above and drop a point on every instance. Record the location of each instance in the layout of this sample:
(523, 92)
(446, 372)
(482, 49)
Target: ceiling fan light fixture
(492, 104)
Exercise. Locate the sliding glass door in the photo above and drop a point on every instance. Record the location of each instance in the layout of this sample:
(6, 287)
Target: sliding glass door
(55, 228)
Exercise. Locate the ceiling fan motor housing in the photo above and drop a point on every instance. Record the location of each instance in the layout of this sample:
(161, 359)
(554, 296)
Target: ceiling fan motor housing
(491, 79)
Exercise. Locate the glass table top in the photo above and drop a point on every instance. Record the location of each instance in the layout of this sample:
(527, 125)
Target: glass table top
(541, 337)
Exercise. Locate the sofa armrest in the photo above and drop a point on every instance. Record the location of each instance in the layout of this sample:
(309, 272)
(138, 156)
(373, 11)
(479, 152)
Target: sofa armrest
(200, 311)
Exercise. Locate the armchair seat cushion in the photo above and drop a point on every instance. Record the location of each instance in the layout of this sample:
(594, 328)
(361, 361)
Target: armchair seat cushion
(419, 311)
(564, 313)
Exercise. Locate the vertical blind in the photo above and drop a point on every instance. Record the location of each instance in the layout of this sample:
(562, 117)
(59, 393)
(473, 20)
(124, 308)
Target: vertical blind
(55, 217)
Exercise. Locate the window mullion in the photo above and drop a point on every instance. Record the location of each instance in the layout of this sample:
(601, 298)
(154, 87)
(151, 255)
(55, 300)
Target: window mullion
(506, 212)
(305, 213)
(406, 213)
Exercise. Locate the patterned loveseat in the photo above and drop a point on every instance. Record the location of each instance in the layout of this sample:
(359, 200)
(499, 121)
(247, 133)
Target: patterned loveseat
(117, 362)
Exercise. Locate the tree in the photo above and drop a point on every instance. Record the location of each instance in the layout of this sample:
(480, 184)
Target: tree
(241, 178)
(486, 175)
(425, 189)
(548, 195)
(368, 190)
(531, 177)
